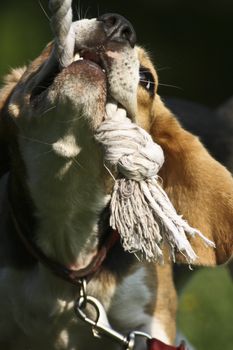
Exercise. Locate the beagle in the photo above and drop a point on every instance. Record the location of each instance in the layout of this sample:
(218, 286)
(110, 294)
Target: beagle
(54, 190)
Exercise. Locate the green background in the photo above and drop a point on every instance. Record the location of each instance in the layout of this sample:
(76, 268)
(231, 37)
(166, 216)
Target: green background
(191, 43)
(205, 314)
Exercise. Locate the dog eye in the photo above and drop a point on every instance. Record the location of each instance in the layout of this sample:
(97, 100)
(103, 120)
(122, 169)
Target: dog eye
(147, 80)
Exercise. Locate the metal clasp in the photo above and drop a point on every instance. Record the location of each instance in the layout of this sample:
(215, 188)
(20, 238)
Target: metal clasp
(100, 324)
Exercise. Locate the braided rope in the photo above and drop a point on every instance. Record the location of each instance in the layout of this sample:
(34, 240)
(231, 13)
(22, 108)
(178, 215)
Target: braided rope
(61, 23)
(140, 209)
(136, 155)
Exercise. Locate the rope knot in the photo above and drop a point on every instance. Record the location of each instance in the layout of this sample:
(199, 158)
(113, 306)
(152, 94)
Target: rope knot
(140, 209)
(129, 147)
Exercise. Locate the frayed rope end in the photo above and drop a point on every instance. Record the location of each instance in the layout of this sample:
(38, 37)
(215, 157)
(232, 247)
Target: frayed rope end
(145, 219)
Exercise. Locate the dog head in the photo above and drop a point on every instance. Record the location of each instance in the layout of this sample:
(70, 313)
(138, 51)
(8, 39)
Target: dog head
(62, 107)
(106, 64)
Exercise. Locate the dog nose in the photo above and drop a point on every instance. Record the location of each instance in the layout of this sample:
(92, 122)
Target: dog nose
(118, 28)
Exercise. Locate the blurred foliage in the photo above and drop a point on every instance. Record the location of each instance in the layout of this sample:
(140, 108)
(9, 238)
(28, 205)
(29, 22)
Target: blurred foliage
(206, 310)
(190, 42)
(191, 45)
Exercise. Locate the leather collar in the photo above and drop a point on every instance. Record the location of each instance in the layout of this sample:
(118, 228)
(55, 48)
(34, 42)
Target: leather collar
(60, 270)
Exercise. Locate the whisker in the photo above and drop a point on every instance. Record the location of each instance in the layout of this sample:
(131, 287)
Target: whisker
(163, 68)
(77, 163)
(80, 10)
(77, 10)
(70, 120)
(86, 12)
(44, 11)
(35, 140)
(160, 84)
(157, 69)
(42, 154)
(172, 86)
(42, 87)
(67, 121)
(143, 71)
(147, 81)
(49, 109)
(98, 10)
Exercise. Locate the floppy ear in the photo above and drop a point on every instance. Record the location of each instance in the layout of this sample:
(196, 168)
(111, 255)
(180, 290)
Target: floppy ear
(10, 82)
(199, 187)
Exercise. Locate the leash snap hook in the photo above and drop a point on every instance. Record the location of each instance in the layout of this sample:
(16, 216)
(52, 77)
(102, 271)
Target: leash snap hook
(83, 290)
(100, 325)
(132, 338)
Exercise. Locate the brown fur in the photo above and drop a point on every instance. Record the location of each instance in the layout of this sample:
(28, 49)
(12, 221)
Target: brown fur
(166, 301)
(200, 188)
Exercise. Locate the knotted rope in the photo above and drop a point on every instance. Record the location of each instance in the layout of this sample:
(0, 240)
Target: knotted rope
(140, 209)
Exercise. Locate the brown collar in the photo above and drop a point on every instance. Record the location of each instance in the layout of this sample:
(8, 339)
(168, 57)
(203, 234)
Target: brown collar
(72, 276)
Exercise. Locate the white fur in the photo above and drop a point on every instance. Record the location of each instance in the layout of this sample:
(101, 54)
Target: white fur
(132, 295)
(66, 147)
(128, 307)
(158, 330)
(68, 199)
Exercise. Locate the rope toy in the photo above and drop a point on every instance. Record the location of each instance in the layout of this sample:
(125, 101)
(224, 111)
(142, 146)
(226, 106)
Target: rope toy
(61, 23)
(140, 209)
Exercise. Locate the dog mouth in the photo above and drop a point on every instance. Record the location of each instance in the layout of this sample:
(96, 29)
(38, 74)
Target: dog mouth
(89, 57)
